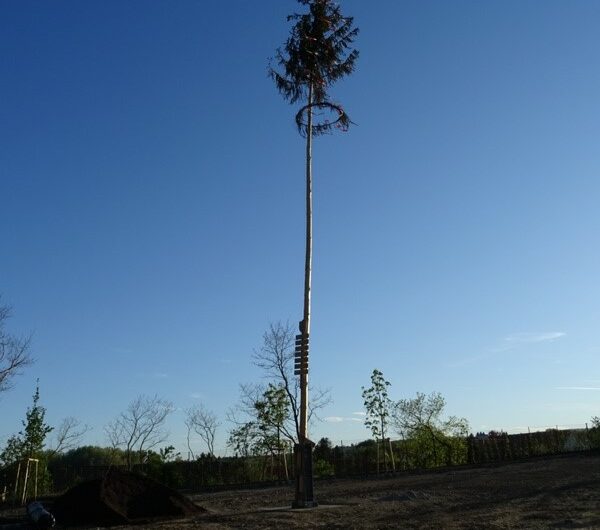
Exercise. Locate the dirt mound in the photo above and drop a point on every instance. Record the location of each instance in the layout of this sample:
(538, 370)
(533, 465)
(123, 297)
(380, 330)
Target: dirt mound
(120, 498)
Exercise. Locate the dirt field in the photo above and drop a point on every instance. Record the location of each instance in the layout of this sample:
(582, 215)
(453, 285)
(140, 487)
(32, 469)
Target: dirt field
(558, 492)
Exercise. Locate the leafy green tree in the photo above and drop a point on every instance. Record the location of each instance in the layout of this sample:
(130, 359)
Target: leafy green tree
(13, 450)
(168, 454)
(323, 449)
(36, 429)
(323, 454)
(266, 433)
(317, 54)
(422, 419)
(379, 408)
(243, 439)
(29, 443)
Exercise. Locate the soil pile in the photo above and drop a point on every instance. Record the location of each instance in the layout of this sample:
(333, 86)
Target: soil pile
(121, 498)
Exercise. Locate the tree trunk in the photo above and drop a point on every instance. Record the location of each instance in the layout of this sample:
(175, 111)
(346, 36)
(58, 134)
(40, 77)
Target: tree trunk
(307, 269)
(385, 467)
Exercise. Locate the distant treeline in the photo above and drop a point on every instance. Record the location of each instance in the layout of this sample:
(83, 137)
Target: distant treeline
(363, 459)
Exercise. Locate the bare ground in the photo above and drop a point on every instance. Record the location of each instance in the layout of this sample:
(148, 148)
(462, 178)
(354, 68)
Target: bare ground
(556, 492)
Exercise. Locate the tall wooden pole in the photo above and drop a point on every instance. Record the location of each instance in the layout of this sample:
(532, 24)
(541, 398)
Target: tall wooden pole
(303, 449)
(307, 269)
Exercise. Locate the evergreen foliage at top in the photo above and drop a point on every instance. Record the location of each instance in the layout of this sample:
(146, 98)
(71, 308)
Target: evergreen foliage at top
(317, 53)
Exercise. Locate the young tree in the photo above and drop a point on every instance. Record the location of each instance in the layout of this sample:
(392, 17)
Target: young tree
(204, 423)
(421, 418)
(272, 413)
(317, 54)
(379, 407)
(14, 352)
(36, 429)
(141, 427)
(29, 443)
(267, 430)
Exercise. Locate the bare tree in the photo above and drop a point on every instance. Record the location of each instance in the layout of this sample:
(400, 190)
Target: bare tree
(276, 358)
(140, 427)
(204, 423)
(68, 435)
(14, 352)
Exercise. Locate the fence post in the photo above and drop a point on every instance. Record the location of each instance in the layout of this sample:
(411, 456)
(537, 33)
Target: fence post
(587, 432)
(392, 454)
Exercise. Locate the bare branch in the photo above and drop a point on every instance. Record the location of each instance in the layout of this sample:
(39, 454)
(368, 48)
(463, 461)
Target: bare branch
(68, 435)
(204, 423)
(140, 427)
(14, 352)
(276, 358)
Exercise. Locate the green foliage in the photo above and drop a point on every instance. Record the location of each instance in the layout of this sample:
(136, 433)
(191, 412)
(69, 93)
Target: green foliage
(13, 451)
(266, 433)
(242, 439)
(317, 54)
(323, 449)
(435, 440)
(323, 468)
(29, 443)
(272, 411)
(378, 405)
(91, 455)
(594, 433)
(168, 454)
(36, 430)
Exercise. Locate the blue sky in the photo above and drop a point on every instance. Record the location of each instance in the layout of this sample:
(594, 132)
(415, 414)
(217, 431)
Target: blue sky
(151, 181)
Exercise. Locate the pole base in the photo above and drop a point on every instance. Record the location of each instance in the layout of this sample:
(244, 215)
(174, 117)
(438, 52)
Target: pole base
(303, 465)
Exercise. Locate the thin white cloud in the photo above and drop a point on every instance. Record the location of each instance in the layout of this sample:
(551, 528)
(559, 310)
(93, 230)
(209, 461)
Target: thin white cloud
(196, 395)
(577, 388)
(533, 337)
(360, 413)
(340, 419)
(510, 343)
